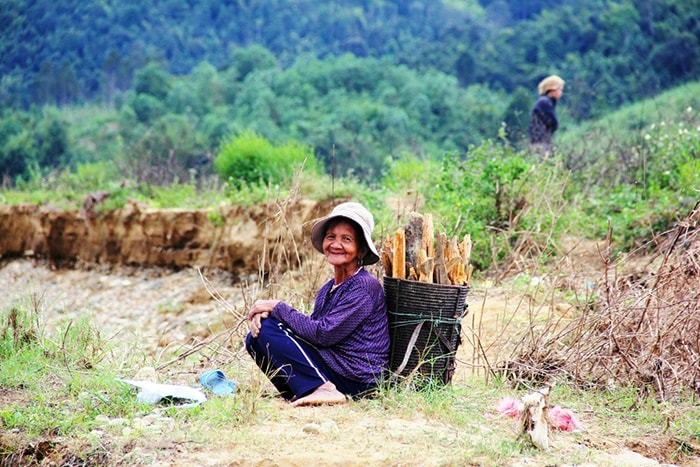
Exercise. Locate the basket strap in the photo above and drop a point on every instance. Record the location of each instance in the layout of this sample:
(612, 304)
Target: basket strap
(448, 345)
(411, 344)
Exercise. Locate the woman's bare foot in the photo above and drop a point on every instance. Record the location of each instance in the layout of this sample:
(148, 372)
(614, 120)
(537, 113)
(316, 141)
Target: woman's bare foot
(325, 394)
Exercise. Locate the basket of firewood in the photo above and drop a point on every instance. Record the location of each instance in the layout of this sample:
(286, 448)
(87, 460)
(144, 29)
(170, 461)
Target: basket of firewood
(426, 283)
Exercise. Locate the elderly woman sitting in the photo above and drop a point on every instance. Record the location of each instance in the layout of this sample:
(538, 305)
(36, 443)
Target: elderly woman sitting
(342, 348)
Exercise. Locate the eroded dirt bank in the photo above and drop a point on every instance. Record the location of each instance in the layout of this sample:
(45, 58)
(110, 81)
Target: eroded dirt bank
(230, 238)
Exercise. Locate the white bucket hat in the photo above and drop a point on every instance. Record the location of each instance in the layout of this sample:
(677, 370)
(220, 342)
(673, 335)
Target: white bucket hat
(356, 213)
(550, 83)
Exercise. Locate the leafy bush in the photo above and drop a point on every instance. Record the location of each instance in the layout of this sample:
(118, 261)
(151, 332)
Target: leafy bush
(38, 138)
(51, 139)
(511, 206)
(16, 150)
(664, 181)
(153, 81)
(147, 107)
(250, 159)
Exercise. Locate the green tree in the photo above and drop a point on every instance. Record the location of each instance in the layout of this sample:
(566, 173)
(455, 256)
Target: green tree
(16, 148)
(52, 144)
(676, 56)
(153, 81)
(66, 89)
(42, 84)
(517, 115)
(253, 58)
(465, 68)
(147, 108)
(10, 91)
(115, 75)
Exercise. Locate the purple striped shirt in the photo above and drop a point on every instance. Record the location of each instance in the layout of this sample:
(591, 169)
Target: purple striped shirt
(349, 327)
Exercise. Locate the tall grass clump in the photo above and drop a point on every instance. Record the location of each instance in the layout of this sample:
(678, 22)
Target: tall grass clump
(513, 206)
(614, 149)
(649, 189)
(63, 369)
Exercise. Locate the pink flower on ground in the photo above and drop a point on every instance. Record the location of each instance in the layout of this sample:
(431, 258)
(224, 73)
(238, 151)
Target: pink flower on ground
(563, 419)
(509, 407)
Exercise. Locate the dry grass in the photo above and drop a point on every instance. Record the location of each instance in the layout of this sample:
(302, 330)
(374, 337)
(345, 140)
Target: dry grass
(639, 329)
(286, 270)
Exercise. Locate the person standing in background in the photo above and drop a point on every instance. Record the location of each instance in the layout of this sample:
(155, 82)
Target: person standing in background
(543, 117)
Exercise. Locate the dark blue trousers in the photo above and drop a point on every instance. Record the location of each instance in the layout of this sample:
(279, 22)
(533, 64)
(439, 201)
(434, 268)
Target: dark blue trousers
(293, 365)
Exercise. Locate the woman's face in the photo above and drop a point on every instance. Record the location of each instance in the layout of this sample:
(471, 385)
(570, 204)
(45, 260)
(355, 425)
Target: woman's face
(340, 245)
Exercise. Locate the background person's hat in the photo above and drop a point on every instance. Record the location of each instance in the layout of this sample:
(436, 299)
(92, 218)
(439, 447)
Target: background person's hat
(550, 83)
(355, 212)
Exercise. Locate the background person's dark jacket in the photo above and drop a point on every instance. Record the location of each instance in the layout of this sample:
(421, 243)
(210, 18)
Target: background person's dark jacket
(543, 120)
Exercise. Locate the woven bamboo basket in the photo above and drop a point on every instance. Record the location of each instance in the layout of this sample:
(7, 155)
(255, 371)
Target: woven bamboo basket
(425, 327)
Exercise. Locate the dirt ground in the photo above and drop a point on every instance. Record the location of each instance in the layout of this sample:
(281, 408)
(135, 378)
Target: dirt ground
(148, 309)
(132, 271)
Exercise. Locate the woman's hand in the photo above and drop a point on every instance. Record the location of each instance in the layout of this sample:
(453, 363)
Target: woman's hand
(259, 311)
(255, 323)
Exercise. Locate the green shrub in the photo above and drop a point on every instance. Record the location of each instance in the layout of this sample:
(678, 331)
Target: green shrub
(147, 107)
(17, 151)
(407, 172)
(52, 140)
(250, 159)
(152, 80)
(509, 204)
(663, 173)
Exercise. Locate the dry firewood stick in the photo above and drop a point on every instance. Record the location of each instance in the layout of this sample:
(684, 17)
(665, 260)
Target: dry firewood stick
(440, 269)
(386, 262)
(466, 249)
(428, 236)
(399, 262)
(426, 270)
(413, 233)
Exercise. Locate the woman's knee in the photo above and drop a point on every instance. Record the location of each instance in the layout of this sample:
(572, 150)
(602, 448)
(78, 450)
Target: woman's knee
(250, 343)
(269, 329)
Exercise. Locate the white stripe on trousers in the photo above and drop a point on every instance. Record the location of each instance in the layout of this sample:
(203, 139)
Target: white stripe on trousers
(286, 330)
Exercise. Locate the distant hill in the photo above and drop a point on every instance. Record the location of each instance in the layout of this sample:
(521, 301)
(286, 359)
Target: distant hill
(611, 53)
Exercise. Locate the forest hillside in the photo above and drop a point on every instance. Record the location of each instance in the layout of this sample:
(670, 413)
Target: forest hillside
(157, 88)
(611, 52)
